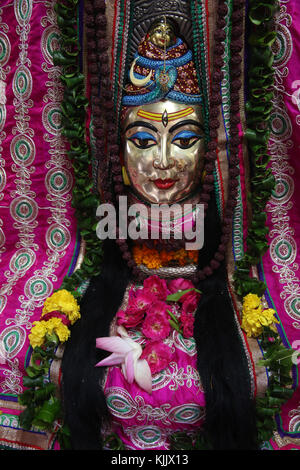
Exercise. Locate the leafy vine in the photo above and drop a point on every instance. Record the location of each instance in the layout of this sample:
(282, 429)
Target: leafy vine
(73, 108)
(262, 34)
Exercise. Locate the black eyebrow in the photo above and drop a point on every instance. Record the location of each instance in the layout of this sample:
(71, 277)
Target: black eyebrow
(184, 123)
(141, 123)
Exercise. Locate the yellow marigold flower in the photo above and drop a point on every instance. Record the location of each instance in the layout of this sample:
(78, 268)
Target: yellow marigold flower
(254, 317)
(64, 302)
(137, 255)
(251, 301)
(42, 328)
(37, 335)
(152, 262)
(55, 325)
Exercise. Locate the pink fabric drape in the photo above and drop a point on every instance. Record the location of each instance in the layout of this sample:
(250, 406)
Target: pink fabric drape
(37, 226)
(280, 266)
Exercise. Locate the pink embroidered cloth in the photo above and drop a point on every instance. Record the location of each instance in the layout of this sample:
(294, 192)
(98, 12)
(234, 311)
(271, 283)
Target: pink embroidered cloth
(38, 241)
(144, 421)
(280, 266)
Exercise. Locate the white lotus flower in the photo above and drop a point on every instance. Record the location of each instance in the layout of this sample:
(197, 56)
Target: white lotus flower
(127, 352)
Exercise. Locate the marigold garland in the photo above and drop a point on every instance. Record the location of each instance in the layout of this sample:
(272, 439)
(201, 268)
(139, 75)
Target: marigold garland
(60, 310)
(255, 317)
(42, 328)
(154, 259)
(64, 302)
(42, 406)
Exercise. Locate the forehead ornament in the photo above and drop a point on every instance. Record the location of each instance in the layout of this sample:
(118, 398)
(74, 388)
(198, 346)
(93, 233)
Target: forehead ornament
(165, 117)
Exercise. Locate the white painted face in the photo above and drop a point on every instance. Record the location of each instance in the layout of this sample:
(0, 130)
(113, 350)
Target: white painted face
(163, 150)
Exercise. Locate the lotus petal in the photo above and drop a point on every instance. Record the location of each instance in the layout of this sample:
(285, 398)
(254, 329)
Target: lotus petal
(142, 375)
(111, 360)
(113, 344)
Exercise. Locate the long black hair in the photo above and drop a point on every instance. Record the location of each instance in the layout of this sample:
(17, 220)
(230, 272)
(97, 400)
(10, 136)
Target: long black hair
(222, 362)
(84, 403)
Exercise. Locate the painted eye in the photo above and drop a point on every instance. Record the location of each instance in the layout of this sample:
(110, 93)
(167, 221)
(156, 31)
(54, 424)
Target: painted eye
(143, 140)
(185, 139)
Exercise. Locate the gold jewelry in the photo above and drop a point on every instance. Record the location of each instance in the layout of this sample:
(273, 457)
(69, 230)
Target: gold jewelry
(125, 176)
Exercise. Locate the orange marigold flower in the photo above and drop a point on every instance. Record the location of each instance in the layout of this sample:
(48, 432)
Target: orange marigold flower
(155, 259)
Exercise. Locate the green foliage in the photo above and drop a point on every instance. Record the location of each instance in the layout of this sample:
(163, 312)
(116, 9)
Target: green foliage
(278, 361)
(39, 398)
(177, 295)
(113, 442)
(73, 109)
(262, 34)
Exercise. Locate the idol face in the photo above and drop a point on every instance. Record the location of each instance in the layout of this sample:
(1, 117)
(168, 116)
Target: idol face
(163, 150)
(162, 35)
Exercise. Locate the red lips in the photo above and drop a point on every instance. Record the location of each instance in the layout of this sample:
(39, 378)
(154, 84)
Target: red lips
(164, 184)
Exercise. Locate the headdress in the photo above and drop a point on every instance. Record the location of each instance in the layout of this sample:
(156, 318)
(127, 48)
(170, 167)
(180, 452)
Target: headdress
(162, 72)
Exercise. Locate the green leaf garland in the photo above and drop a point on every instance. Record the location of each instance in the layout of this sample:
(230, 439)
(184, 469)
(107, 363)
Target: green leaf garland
(73, 108)
(278, 361)
(258, 111)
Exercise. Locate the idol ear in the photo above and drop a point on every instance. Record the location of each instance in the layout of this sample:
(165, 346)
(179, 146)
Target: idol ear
(125, 176)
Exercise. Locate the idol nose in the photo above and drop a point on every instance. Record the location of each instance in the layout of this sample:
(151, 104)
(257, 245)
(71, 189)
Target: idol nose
(164, 160)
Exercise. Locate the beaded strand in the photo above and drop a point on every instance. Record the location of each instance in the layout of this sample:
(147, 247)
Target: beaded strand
(104, 120)
(234, 142)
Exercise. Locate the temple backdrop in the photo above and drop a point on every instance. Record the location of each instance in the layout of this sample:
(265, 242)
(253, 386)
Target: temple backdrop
(39, 242)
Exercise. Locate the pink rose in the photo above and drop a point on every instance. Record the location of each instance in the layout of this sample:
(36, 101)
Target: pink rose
(159, 307)
(187, 321)
(180, 284)
(157, 287)
(188, 330)
(129, 318)
(158, 356)
(156, 324)
(141, 300)
(190, 301)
